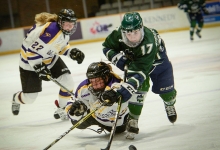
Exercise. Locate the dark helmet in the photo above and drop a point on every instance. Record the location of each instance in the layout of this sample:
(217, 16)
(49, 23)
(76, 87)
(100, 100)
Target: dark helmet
(131, 21)
(69, 16)
(98, 69)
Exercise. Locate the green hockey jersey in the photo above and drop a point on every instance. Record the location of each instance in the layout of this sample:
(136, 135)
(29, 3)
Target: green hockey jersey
(192, 6)
(146, 55)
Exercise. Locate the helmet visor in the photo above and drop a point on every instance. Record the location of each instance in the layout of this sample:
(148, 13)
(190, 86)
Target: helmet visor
(132, 38)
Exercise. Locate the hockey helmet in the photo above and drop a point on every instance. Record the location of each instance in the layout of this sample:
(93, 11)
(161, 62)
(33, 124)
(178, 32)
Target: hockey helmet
(98, 74)
(67, 15)
(131, 25)
(131, 21)
(98, 69)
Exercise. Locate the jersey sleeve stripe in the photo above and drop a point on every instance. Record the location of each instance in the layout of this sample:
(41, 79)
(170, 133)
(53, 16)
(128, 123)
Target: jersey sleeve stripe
(23, 54)
(23, 60)
(57, 35)
(47, 60)
(64, 50)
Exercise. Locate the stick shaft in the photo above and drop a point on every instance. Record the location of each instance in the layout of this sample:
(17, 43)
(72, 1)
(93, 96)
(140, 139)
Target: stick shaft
(55, 81)
(116, 115)
(76, 125)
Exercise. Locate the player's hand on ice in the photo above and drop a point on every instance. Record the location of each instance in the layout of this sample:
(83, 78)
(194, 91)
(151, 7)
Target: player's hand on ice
(78, 108)
(110, 95)
(76, 54)
(42, 71)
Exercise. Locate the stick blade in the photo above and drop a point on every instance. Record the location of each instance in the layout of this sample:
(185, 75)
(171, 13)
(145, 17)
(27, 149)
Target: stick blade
(91, 147)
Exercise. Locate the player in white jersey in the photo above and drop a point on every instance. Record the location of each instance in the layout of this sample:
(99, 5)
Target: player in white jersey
(100, 78)
(39, 57)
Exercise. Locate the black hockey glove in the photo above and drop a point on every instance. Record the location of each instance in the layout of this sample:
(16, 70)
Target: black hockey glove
(42, 71)
(78, 108)
(110, 95)
(129, 55)
(206, 11)
(76, 54)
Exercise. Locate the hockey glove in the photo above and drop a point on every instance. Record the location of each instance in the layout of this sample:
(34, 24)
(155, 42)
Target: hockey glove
(129, 55)
(120, 61)
(78, 108)
(76, 54)
(206, 11)
(182, 6)
(110, 95)
(42, 71)
(126, 90)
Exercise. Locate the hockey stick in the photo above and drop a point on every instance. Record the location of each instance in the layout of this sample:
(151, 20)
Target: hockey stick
(55, 81)
(90, 147)
(76, 125)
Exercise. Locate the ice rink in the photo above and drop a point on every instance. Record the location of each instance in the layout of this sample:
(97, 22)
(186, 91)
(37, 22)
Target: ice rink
(197, 79)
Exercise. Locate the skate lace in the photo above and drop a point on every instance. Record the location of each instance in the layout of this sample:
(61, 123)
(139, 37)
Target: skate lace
(15, 106)
(170, 110)
(62, 114)
(133, 123)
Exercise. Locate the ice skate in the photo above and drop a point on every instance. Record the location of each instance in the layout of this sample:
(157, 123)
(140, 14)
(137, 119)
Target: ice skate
(132, 129)
(198, 34)
(15, 106)
(60, 112)
(171, 113)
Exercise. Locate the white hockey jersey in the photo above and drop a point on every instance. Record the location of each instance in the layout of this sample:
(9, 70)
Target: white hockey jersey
(106, 114)
(43, 44)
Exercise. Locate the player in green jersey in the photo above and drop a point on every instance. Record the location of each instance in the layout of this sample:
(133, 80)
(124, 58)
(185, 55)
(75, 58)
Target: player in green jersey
(144, 52)
(193, 9)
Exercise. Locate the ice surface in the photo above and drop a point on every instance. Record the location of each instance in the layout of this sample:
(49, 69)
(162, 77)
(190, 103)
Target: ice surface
(197, 79)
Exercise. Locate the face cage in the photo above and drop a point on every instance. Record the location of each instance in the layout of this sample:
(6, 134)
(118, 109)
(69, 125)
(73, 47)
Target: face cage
(65, 31)
(98, 92)
(129, 43)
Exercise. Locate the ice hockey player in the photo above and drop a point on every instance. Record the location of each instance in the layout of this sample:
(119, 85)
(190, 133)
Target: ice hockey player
(100, 77)
(144, 52)
(193, 9)
(39, 57)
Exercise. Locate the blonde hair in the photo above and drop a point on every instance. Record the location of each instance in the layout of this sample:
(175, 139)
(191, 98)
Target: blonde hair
(45, 17)
(114, 74)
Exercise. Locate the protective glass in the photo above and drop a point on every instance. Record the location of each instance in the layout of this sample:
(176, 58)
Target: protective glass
(132, 38)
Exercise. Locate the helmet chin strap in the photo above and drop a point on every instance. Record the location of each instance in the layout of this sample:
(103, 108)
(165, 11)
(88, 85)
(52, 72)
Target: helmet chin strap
(129, 43)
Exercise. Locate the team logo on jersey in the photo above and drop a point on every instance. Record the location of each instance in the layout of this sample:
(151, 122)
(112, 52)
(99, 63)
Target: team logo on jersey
(50, 52)
(46, 34)
(85, 95)
(140, 98)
